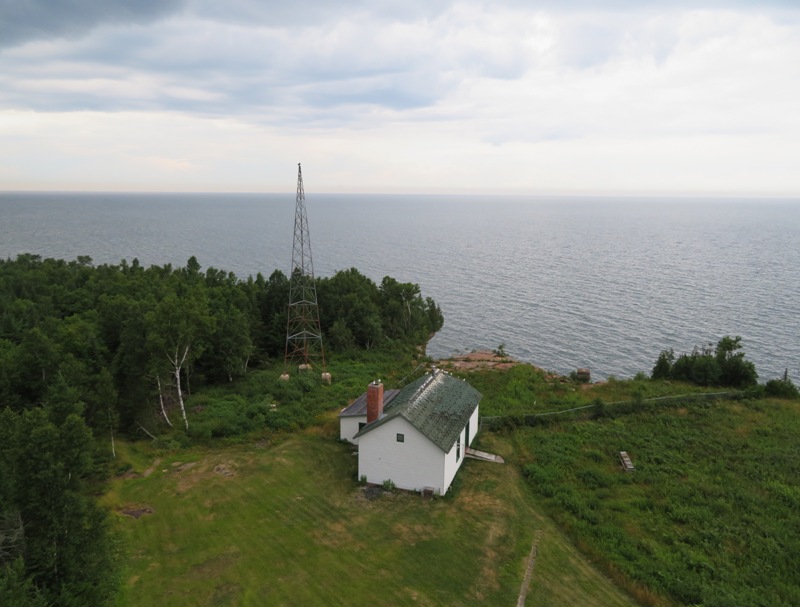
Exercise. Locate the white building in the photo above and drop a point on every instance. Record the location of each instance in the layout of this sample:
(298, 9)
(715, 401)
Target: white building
(354, 417)
(415, 437)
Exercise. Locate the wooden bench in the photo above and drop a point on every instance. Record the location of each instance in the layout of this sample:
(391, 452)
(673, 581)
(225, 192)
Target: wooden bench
(627, 464)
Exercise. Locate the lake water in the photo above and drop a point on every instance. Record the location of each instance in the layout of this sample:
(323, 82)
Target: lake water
(563, 282)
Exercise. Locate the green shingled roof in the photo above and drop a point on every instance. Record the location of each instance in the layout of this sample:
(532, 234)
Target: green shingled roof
(437, 404)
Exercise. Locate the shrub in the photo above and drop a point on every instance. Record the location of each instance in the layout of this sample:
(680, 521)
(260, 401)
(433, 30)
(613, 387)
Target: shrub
(593, 479)
(307, 381)
(724, 365)
(595, 456)
(545, 479)
(598, 408)
(500, 351)
(228, 416)
(663, 366)
(781, 388)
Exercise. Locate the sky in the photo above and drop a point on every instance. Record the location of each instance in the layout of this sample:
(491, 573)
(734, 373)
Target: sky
(614, 97)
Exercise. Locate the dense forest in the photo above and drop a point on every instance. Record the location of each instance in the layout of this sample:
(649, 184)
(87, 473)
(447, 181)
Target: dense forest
(89, 351)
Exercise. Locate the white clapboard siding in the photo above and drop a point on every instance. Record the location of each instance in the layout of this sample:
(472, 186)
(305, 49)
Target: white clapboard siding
(348, 427)
(414, 464)
(474, 420)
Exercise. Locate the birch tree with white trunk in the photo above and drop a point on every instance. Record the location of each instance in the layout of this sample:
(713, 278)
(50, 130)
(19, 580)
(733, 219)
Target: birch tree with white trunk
(161, 402)
(177, 331)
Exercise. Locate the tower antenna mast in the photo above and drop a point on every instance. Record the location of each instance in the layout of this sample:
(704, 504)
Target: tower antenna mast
(303, 333)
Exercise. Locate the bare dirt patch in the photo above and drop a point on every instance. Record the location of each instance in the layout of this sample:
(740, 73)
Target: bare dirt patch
(190, 474)
(335, 535)
(482, 501)
(368, 493)
(189, 480)
(180, 467)
(152, 468)
(214, 566)
(228, 594)
(409, 534)
(225, 469)
(137, 511)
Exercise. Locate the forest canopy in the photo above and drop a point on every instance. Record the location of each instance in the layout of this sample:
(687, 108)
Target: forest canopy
(87, 351)
(111, 332)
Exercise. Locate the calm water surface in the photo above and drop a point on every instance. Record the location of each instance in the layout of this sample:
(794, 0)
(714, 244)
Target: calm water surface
(562, 282)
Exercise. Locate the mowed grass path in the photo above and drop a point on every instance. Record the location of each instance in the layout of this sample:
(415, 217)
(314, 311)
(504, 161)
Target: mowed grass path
(288, 525)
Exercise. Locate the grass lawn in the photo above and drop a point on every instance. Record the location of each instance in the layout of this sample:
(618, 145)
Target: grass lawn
(286, 524)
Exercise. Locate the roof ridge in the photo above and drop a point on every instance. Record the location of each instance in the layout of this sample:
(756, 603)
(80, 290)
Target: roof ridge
(424, 386)
(427, 387)
(438, 407)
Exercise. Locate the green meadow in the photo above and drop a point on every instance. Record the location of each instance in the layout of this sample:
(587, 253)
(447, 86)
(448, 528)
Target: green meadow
(711, 516)
(286, 523)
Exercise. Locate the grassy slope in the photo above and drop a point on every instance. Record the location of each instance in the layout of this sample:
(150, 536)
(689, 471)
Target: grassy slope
(525, 390)
(711, 515)
(288, 526)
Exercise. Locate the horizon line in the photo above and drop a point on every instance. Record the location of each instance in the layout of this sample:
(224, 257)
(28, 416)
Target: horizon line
(443, 194)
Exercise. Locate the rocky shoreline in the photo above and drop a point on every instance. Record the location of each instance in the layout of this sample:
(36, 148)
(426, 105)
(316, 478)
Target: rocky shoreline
(479, 360)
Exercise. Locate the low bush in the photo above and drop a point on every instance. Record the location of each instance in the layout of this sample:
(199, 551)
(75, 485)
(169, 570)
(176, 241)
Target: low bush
(781, 388)
(724, 365)
(230, 415)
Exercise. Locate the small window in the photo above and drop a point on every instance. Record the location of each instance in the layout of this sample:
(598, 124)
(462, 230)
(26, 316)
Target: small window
(361, 425)
(401, 438)
(458, 450)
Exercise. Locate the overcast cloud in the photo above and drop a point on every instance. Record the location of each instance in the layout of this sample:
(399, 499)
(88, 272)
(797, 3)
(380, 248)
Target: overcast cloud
(393, 96)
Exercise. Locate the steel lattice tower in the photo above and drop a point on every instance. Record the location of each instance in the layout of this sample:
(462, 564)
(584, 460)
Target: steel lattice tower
(303, 333)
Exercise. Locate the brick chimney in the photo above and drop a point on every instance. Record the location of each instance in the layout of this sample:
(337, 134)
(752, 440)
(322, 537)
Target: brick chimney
(374, 401)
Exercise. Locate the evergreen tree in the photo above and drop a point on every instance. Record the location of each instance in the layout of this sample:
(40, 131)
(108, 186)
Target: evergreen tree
(67, 550)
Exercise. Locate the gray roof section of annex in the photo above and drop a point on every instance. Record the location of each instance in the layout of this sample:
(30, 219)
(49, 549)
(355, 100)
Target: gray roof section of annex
(437, 404)
(359, 406)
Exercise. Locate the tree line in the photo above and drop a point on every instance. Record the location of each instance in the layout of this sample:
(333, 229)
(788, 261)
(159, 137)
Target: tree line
(124, 335)
(92, 349)
(723, 365)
